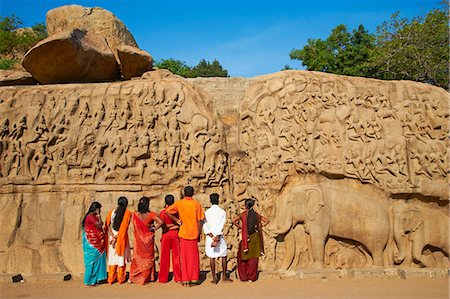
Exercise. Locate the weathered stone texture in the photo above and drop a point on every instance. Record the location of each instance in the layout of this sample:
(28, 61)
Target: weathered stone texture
(351, 172)
(133, 62)
(14, 77)
(71, 56)
(96, 20)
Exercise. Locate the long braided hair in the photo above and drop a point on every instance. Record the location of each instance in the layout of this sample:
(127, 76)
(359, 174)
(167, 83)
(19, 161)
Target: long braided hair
(94, 206)
(122, 204)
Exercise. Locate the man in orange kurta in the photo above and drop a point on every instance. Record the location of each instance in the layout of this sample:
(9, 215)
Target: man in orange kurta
(191, 215)
(118, 245)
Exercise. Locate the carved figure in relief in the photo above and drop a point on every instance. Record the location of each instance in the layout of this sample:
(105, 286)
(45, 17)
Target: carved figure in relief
(125, 116)
(325, 212)
(118, 149)
(15, 158)
(112, 119)
(40, 159)
(41, 129)
(99, 116)
(84, 115)
(355, 129)
(173, 138)
(423, 164)
(421, 226)
(425, 128)
(4, 132)
(19, 128)
(374, 128)
(135, 171)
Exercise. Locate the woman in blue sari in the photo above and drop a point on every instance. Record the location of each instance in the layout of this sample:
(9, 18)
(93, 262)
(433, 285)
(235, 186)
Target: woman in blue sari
(94, 246)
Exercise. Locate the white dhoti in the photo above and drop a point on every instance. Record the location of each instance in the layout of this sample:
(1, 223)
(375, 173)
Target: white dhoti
(219, 251)
(215, 219)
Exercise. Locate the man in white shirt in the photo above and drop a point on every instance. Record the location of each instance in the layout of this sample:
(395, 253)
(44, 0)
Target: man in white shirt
(215, 245)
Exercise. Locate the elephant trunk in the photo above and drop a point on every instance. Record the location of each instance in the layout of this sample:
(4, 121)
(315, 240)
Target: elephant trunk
(281, 225)
(399, 238)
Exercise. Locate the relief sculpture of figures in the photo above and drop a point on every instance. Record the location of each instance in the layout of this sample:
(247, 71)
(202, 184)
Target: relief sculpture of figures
(351, 172)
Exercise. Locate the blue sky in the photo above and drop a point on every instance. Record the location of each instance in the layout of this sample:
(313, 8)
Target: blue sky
(248, 37)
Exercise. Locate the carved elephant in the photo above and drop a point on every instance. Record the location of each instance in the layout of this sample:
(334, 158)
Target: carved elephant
(331, 212)
(420, 225)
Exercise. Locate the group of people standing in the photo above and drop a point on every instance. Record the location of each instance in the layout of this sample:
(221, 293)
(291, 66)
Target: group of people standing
(106, 246)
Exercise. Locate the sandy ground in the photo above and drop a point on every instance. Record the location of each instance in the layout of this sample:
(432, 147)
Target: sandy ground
(263, 288)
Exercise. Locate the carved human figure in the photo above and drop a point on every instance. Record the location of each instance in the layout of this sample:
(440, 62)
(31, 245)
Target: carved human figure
(19, 128)
(173, 138)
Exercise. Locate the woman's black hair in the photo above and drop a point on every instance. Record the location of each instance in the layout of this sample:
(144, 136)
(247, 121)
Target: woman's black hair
(122, 204)
(94, 206)
(252, 218)
(249, 203)
(143, 205)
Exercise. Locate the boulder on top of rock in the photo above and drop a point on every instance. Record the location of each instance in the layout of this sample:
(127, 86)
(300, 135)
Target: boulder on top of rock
(71, 56)
(133, 62)
(96, 20)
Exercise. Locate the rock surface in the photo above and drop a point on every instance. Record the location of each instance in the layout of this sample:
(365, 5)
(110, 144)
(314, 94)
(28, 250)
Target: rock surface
(133, 62)
(96, 20)
(12, 77)
(359, 157)
(71, 56)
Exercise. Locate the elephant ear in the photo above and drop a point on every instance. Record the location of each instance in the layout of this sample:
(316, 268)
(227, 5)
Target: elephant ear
(415, 219)
(314, 203)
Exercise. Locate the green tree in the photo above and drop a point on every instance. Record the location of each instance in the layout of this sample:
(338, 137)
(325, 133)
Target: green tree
(341, 53)
(15, 41)
(415, 49)
(177, 67)
(206, 69)
(202, 69)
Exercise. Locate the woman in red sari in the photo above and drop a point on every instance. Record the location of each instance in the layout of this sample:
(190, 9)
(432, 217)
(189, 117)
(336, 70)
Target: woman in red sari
(143, 263)
(252, 245)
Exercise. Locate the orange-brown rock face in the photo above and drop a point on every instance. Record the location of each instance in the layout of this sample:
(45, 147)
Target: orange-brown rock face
(71, 56)
(133, 62)
(351, 172)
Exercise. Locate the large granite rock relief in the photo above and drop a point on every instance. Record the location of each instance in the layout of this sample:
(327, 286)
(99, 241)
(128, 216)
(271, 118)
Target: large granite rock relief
(63, 146)
(352, 172)
(366, 142)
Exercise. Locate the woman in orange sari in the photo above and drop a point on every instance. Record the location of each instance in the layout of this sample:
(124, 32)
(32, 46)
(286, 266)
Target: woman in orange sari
(119, 253)
(143, 263)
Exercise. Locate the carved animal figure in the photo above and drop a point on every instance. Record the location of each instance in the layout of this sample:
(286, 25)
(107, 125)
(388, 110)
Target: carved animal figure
(136, 171)
(420, 225)
(329, 212)
(90, 172)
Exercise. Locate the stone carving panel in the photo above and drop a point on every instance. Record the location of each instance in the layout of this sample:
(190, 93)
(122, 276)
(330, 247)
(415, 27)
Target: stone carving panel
(82, 142)
(351, 172)
(348, 141)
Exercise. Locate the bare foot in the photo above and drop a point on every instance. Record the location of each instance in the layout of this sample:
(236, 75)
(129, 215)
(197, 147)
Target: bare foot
(227, 280)
(90, 285)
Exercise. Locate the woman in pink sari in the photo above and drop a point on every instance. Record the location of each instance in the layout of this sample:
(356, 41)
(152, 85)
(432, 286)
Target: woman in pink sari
(143, 263)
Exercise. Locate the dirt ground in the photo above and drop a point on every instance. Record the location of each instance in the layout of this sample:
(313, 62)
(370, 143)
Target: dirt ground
(263, 288)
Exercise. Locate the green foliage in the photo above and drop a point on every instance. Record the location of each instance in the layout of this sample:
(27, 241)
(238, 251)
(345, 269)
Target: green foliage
(6, 64)
(206, 69)
(414, 49)
(203, 69)
(177, 67)
(341, 53)
(14, 42)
